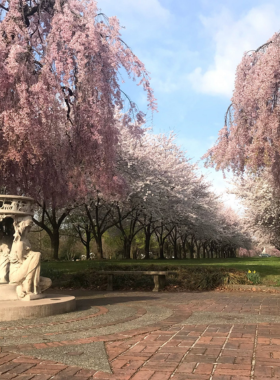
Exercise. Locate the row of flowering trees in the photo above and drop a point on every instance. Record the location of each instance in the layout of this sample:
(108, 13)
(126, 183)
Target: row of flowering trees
(163, 196)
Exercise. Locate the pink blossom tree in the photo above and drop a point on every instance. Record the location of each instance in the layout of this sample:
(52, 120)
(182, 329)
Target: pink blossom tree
(60, 65)
(250, 138)
(59, 79)
(261, 205)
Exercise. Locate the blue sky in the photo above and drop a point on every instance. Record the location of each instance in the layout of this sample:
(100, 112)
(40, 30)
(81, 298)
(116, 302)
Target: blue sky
(191, 49)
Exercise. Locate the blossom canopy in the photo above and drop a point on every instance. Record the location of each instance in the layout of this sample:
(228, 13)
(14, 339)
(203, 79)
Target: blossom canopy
(60, 89)
(250, 138)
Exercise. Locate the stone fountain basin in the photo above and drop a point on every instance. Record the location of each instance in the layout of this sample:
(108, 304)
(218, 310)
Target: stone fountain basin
(51, 304)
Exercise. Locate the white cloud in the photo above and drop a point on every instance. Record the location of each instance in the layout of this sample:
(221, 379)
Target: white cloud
(231, 38)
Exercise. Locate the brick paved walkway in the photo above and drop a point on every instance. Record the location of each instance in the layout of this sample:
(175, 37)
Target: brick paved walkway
(143, 336)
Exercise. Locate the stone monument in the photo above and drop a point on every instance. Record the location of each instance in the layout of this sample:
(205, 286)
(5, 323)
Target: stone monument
(20, 267)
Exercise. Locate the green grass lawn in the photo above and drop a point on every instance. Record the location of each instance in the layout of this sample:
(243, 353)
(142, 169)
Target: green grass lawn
(267, 267)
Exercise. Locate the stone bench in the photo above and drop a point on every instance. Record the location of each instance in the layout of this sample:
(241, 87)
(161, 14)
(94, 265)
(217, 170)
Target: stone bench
(159, 277)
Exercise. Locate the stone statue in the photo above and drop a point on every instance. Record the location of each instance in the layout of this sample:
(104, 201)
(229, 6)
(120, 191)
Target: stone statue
(20, 266)
(25, 263)
(4, 264)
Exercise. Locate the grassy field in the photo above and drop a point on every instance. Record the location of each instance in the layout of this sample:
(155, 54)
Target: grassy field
(267, 267)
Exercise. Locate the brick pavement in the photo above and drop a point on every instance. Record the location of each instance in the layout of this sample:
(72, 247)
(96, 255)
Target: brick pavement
(174, 348)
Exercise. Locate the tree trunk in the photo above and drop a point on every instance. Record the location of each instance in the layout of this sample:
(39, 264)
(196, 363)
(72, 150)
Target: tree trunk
(148, 235)
(175, 246)
(161, 252)
(190, 245)
(55, 243)
(161, 240)
(197, 250)
(203, 252)
(81, 230)
(180, 251)
(147, 246)
(135, 253)
(191, 251)
(87, 251)
(99, 246)
(55, 223)
(126, 248)
(184, 250)
(175, 250)
(87, 243)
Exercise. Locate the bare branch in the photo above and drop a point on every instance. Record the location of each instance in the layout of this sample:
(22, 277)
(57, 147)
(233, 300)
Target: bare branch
(227, 113)
(5, 9)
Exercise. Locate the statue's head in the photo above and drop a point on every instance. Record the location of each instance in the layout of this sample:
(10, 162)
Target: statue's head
(26, 247)
(27, 221)
(22, 227)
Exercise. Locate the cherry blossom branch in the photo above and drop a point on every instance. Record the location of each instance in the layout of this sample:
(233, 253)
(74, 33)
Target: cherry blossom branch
(5, 9)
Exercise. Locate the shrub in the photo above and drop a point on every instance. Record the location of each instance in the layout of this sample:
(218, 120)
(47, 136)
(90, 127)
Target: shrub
(185, 279)
(51, 273)
(208, 278)
(253, 277)
(79, 279)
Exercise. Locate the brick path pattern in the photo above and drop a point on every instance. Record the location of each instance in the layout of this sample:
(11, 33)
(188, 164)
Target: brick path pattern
(211, 336)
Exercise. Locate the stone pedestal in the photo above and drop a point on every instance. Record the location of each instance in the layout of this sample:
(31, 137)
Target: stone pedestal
(8, 292)
(32, 297)
(50, 305)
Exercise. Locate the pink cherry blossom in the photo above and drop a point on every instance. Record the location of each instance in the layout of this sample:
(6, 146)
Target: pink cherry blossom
(250, 138)
(60, 88)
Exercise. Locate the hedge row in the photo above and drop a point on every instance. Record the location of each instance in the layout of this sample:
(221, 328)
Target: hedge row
(185, 279)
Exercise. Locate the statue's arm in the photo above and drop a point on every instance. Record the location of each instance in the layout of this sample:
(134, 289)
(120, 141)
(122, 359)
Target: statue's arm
(20, 256)
(17, 254)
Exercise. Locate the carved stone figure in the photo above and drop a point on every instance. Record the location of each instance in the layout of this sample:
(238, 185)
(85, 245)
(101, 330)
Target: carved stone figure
(25, 263)
(4, 264)
(19, 266)
(14, 206)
